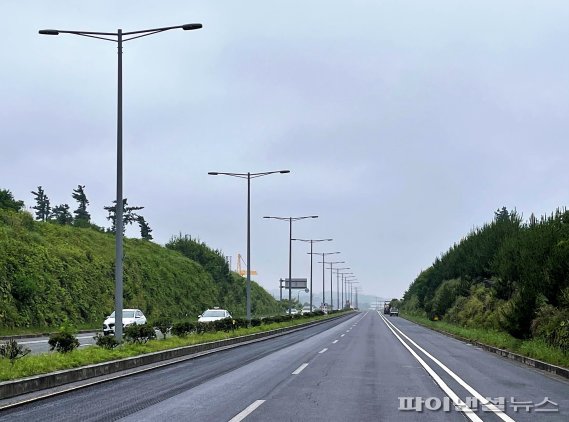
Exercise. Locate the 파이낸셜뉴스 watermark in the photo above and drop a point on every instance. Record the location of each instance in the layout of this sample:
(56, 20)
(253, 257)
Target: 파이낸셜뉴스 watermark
(472, 404)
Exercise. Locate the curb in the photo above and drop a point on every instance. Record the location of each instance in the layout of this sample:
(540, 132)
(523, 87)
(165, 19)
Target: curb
(534, 363)
(9, 389)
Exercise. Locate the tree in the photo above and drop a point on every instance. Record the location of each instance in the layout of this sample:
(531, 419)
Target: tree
(42, 206)
(82, 217)
(129, 215)
(7, 201)
(145, 229)
(61, 215)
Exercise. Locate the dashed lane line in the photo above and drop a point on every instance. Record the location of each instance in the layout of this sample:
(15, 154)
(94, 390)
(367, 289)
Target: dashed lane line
(247, 411)
(323, 351)
(300, 369)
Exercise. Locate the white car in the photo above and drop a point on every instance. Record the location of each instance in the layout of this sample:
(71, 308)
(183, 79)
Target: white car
(213, 315)
(129, 317)
(307, 310)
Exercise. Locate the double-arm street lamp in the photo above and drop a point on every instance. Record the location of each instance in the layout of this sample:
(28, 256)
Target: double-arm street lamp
(312, 241)
(324, 254)
(248, 176)
(338, 272)
(331, 292)
(344, 287)
(118, 37)
(290, 220)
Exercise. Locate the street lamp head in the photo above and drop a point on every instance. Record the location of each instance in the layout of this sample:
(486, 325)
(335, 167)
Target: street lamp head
(284, 171)
(313, 216)
(191, 26)
(48, 32)
(212, 173)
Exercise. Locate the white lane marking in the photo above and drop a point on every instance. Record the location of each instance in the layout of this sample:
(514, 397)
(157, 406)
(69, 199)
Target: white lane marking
(468, 412)
(347, 331)
(248, 410)
(485, 402)
(335, 341)
(322, 351)
(342, 335)
(300, 369)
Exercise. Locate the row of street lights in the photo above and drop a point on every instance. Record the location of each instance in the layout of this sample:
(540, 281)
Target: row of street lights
(120, 37)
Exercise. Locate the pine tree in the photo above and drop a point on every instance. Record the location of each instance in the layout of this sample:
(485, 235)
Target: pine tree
(42, 207)
(61, 215)
(129, 215)
(145, 229)
(7, 201)
(82, 217)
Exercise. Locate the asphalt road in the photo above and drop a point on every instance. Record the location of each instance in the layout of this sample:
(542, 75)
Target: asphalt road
(357, 369)
(40, 345)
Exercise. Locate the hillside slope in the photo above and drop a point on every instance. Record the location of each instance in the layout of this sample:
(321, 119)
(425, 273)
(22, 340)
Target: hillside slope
(50, 273)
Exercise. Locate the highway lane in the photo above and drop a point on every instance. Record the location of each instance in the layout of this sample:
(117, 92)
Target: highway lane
(357, 369)
(122, 397)
(40, 345)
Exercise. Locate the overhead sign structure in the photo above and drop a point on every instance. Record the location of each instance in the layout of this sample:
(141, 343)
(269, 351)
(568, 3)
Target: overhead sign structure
(294, 283)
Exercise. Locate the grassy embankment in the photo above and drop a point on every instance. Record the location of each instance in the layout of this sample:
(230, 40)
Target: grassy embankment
(49, 362)
(533, 348)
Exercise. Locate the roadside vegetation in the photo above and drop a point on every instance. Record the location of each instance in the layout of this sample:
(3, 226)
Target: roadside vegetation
(52, 273)
(505, 284)
(138, 341)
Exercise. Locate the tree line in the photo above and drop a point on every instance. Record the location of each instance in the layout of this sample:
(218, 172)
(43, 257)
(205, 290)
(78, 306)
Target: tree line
(508, 274)
(80, 217)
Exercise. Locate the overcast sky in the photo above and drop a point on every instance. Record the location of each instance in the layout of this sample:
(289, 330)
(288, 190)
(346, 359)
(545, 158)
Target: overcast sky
(404, 123)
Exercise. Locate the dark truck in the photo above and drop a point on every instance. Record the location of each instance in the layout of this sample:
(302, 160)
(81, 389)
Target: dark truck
(386, 307)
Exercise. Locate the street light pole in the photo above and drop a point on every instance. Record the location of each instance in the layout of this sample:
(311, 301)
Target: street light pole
(312, 241)
(331, 293)
(290, 220)
(119, 225)
(248, 176)
(323, 272)
(344, 287)
(338, 284)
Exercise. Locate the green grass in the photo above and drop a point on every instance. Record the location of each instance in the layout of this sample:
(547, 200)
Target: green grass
(49, 362)
(533, 348)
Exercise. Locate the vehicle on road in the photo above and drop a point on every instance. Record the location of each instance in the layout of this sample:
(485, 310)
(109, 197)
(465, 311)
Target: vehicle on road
(307, 309)
(394, 312)
(129, 317)
(386, 307)
(293, 311)
(214, 314)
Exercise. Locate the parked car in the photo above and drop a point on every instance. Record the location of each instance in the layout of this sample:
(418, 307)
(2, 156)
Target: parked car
(213, 315)
(129, 317)
(293, 311)
(307, 310)
(394, 311)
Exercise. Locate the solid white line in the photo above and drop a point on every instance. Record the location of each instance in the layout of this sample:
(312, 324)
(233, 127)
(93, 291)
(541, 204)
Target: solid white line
(335, 341)
(45, 341)
(342, 335)
(468, 412)
(485, 402)
(247, 411)
(300, 369)
(322, 351)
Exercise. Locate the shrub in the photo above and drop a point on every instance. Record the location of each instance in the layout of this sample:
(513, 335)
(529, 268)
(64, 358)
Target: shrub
(552, 325)
(13, 351)
(63, 342)
(139, 333)
(163, 324)
(183, 328)
(106, 342)
(255, 322)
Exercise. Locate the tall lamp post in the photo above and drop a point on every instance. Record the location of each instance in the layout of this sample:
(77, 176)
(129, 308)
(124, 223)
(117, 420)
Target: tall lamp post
(118, 38)
(312, 241)
(290, 220)
(351, 283)
(331, 292)
(248, 176)
(324, 254)
(338, 284)
(344, 287)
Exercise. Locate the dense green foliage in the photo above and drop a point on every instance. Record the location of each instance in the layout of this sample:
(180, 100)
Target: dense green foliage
(232, 287)
(507, 275)
(51, 273)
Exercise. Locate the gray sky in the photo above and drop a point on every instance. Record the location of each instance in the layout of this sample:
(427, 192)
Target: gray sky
(404, 123)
